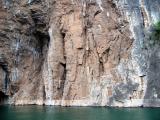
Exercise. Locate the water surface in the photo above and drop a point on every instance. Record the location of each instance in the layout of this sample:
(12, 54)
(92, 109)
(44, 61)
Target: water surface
(77, 113)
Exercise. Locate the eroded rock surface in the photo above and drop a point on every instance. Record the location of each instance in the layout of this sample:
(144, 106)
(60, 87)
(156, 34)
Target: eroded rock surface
(79, 52)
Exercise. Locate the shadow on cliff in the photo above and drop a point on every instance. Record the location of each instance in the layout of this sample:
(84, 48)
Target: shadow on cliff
(3, 98)
(153, 73)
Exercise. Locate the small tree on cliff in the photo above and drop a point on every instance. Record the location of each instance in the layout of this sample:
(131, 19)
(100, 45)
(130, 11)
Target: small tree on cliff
(155, 35)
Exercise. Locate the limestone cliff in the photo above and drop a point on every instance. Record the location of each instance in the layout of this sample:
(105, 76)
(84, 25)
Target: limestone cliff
(79, 52)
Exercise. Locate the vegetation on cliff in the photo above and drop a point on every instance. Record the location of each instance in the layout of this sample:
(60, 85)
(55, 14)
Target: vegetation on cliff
(155, 34)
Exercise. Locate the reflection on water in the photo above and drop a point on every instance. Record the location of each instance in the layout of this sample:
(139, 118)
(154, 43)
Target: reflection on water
(77, 113)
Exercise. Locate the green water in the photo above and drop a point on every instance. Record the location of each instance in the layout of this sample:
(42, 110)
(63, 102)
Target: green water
(77, 113)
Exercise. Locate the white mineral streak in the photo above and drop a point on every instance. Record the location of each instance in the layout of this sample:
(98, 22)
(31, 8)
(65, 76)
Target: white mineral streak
(29, 1)
(147, 19)
(15, 74)
(99, 2)
(47, 73)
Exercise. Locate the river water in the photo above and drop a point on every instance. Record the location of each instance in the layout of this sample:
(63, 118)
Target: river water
(77, 113)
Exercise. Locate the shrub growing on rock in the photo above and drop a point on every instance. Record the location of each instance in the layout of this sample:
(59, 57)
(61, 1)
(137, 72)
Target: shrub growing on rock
(155, 34)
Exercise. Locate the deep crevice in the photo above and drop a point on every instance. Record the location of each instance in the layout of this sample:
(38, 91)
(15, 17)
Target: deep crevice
(101, 67)
(97, 12)
(64, 73)
(44, 93)
(6, 79)
(63, 64)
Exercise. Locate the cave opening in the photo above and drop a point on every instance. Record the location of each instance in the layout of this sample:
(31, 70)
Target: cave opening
(3, 97)
(42, 41)
(40, 30)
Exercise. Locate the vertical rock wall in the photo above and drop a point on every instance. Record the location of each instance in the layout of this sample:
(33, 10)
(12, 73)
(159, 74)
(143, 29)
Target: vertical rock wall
(79, 52)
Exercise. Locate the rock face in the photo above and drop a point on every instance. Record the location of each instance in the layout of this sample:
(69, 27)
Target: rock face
(79, 52)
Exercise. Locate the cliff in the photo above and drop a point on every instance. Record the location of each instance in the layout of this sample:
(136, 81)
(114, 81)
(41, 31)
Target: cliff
(79, 52)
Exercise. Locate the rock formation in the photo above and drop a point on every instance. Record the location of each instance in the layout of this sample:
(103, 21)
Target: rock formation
(79, 52)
